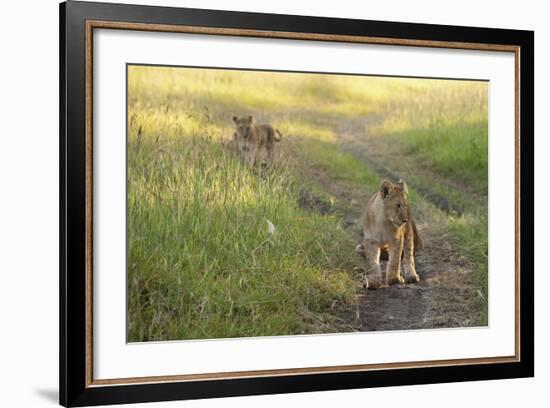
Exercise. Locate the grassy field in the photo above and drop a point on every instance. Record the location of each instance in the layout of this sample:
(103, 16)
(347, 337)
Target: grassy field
(216, 250)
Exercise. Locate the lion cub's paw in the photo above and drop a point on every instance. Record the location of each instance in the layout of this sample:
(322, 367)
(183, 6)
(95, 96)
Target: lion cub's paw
(412, 279)
(395, 280)
(372, 283)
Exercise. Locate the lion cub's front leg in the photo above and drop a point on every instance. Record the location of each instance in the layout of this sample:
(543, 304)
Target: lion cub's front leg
(393, 269)
(255, 155)
(373, 279)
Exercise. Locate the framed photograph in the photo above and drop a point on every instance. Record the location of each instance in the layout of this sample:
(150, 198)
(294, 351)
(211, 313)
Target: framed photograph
(256, 203)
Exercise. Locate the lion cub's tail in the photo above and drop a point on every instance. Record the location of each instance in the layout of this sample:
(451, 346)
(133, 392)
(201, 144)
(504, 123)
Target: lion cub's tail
(418, 244)
(278, 135)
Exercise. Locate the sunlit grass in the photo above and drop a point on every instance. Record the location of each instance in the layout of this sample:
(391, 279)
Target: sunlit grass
(301, 128)
(342, 166)
(444, 124)
(202, 261)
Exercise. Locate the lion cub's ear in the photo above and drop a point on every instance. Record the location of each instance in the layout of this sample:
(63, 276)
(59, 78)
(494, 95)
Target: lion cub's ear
(386, 187)
(251, 119)
(235, 119)
(401, 184)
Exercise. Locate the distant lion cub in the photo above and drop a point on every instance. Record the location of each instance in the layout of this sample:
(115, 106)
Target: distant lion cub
(252, 140)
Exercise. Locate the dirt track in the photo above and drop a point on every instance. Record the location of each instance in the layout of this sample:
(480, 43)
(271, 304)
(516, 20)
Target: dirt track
(447, 295)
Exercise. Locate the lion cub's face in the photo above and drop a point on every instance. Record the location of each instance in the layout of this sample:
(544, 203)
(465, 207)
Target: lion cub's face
(244, 126)
(243, 135)
(396, 205)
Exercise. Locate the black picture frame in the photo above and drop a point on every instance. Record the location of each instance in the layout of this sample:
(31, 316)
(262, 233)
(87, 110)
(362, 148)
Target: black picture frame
(74, 389)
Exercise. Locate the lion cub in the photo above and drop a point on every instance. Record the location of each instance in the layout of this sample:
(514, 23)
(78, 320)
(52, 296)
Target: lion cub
(251, 140)
(388, 225)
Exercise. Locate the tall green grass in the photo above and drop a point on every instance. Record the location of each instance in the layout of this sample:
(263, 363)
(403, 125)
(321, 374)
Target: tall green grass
(203, 262)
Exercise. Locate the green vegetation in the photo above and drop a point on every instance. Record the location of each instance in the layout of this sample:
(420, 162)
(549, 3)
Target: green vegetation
(445, 124)
(216, 250)
(204, 261)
